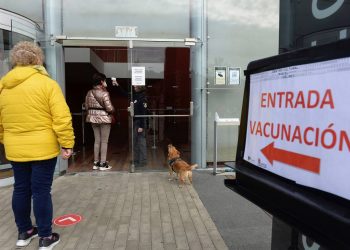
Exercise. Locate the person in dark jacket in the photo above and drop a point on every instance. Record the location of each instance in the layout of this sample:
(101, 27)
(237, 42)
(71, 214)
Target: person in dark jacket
(140, 126)
(139, 99)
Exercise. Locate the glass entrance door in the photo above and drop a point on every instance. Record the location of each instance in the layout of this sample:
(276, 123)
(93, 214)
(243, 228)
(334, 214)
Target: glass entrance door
(166, 116)
(160, 105)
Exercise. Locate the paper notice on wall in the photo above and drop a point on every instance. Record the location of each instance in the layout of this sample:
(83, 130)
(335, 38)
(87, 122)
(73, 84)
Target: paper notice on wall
(138, 75)
(220, 75)
(234, 75)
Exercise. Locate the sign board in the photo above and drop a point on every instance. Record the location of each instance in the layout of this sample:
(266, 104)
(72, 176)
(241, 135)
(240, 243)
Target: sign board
(220, 75)
(233, 76)
(138, 75)
(126, 31)
(318, 15)
(313, 22)
(298, 124)
(67, 220)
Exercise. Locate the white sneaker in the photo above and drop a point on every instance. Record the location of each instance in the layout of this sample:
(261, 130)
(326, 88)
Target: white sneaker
(105, 166)
(24, 238)
(96, 165)
(48, 244)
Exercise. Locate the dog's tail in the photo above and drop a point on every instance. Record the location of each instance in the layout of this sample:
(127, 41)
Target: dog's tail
(194, 166)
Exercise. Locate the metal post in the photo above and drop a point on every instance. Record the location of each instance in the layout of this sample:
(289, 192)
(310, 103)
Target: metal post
(132, 165)
(54, 56)
(54, 52)
(83, 122)
(154, 131)
(131, 110)
(215, 147)
(198, 30)
(286, 42)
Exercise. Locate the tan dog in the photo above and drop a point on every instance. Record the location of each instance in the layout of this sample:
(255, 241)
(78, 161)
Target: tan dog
(179, 166)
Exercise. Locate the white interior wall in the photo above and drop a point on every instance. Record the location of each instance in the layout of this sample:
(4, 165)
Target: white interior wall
(118, 70)
(97, 62)
(73, 55)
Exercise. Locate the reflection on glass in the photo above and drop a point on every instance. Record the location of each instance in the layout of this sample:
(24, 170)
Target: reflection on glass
(4, 52)
(16, 37)
(7, 40)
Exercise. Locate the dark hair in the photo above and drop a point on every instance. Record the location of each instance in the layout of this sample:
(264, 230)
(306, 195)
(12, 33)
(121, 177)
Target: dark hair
(97, 78)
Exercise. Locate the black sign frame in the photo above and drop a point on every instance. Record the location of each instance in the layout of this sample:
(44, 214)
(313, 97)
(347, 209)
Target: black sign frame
(319, 215)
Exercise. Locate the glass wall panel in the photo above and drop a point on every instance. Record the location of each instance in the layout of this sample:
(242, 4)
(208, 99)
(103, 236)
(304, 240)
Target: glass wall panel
(31, 9)
(240, 32)
(4, 52)
(154, 18)
(4, 68)
(18, 37)
(167, 99)
(7, 40)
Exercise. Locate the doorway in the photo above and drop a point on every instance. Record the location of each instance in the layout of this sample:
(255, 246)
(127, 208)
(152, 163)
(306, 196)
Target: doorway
(168, 91)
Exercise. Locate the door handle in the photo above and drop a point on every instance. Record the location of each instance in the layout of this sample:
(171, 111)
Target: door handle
(131, 110)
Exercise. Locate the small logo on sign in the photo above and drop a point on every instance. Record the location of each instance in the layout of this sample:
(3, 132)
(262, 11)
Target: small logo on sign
(321, 14)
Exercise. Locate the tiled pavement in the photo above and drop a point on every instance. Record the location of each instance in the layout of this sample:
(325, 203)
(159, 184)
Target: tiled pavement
(122, 211)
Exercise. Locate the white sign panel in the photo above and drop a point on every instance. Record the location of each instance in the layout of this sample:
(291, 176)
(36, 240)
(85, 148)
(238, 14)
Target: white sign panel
(138, 76)
(126, 31)
(299, 124)
(220, 75)
(233, 76)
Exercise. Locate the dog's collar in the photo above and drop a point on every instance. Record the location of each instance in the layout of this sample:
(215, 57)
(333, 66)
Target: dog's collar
(171, 161)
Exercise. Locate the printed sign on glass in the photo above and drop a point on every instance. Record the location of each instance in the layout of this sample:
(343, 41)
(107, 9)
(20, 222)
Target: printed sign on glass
(138, 76)
(220, 75)
(233, 76)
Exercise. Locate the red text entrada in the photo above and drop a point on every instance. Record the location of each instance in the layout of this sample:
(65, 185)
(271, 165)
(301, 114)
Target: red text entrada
(301, 99)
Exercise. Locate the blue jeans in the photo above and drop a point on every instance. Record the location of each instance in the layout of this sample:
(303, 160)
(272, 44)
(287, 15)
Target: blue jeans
(33, 178)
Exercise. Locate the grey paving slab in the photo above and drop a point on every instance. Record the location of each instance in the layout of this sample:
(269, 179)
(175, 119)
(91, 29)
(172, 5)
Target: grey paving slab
(122, 211)
(240, 223)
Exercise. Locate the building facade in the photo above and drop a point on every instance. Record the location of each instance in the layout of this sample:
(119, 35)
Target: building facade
(200, 48)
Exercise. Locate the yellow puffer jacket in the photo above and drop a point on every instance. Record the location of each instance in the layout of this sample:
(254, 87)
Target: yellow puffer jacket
(34, 117)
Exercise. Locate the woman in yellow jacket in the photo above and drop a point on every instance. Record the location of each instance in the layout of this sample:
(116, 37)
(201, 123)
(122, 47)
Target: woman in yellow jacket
(35, 122)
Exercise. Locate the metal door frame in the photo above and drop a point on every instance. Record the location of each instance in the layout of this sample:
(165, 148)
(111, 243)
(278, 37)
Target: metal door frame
(71, 41)
(131, 108)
